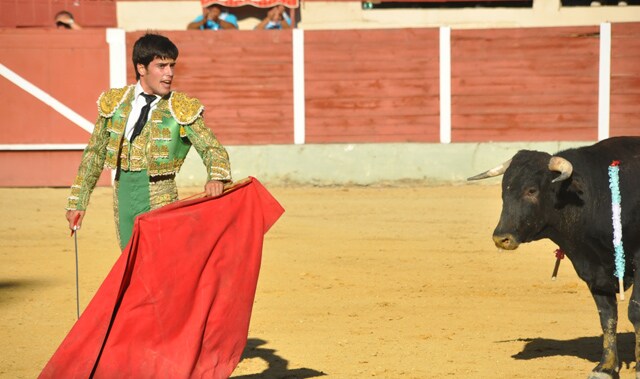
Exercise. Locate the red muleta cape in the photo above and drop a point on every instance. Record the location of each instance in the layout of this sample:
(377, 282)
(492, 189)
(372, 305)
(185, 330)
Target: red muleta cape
(177, 303)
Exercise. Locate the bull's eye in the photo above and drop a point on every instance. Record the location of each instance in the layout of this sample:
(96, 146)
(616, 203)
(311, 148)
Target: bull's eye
(531, 193)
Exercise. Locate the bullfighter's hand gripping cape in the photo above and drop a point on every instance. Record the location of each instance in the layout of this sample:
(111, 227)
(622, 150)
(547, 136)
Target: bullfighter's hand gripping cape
(177, 303)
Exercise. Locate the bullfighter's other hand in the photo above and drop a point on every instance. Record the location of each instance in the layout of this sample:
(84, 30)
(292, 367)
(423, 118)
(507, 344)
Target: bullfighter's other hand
(213, 188)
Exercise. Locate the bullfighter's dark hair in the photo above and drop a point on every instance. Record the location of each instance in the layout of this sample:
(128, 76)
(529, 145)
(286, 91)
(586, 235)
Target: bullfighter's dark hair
(151, 46)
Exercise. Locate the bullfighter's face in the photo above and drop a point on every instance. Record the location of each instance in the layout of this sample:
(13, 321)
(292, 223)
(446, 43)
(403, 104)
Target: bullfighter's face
(157, 76)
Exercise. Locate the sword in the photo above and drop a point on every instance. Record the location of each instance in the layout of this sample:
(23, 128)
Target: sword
(74, 233)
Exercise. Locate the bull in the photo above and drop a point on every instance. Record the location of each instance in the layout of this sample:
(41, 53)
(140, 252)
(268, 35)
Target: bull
(566, 198)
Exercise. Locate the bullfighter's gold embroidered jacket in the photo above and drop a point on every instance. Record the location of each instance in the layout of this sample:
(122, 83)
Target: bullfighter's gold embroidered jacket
(173, 126)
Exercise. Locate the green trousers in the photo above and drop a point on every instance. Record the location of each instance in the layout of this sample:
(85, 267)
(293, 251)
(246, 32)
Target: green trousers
(136, 193)
(132, 199)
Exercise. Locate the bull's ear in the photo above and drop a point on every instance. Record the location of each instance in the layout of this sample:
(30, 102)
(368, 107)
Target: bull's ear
(577, 186)
(570, 192)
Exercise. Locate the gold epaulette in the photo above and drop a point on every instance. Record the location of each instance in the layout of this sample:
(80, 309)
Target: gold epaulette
(110, 100)
(184, 109)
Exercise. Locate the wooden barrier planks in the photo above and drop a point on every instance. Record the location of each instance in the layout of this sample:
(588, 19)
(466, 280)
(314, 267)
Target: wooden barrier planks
(538, 84)
(41, 13)
(625, 79)
(244, 79)
(372, 85)
(362, 86)
(71, 67)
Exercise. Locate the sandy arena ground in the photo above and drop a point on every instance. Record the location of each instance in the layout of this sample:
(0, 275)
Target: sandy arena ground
(386, 282)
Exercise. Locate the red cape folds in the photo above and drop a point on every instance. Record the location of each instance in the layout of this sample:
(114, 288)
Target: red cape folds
(177, 302)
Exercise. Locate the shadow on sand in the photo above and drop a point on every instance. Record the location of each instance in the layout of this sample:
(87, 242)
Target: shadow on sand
(278, 366)
(589, 348)
(10, 289)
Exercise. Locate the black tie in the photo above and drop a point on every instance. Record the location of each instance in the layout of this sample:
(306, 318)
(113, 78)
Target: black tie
(144, 113)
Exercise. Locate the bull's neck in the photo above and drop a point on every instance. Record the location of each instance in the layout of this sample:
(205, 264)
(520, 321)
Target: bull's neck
(561, 226)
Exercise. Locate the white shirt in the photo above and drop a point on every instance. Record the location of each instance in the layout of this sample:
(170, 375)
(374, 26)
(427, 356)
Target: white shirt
(136, 107)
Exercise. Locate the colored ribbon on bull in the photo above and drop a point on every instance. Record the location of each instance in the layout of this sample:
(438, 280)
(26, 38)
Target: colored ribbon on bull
(559, 256)
(616, 200)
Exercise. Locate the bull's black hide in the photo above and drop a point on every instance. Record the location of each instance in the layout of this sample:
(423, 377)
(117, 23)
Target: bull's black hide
(566, 198)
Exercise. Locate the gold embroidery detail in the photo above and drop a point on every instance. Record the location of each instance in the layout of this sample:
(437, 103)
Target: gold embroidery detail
(152, 150)
(161, 134)
(161, 151)
(116, 125)
(214, 155)
(113, 145)
(109, 101)
(137, 157)
(165, 168)
(116, 212)
(162, 192)
(124, 155)
(184, 109)
(91, 165)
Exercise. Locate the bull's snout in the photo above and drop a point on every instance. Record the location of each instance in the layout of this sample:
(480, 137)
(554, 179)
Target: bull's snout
(505, 241)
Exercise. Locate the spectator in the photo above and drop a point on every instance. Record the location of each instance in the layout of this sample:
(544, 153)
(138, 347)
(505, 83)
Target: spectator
(213, 17)
(65, 20)
(274, 19)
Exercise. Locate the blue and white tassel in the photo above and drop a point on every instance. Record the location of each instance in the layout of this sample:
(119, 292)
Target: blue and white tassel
(616, 199)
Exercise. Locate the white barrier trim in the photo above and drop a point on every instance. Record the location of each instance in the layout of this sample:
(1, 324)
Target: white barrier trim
(42, 147)
(46, 98)
(445, 84)
(604, 87)
(116, 38)
(298, 87)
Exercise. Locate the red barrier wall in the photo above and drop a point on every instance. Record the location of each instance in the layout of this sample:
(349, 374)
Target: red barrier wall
(625, 79)
(40, 13)
(530, 84)
(244, 79)
(72, 67)
(372, 85)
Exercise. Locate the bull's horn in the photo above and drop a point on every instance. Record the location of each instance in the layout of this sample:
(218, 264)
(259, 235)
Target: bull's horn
(498, 170)
(561, 165)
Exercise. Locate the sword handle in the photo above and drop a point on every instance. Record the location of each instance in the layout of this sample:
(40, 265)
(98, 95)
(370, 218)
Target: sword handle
(75, 224)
